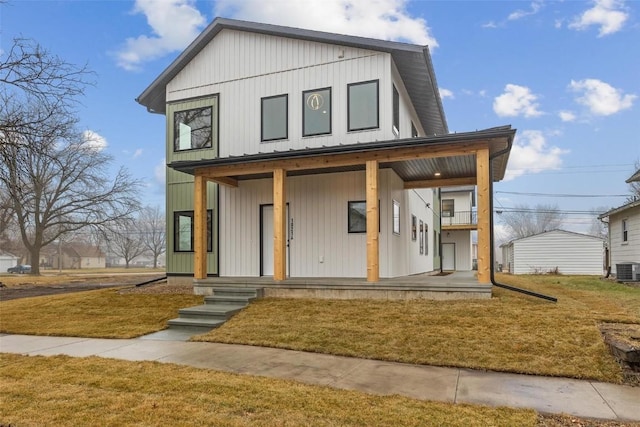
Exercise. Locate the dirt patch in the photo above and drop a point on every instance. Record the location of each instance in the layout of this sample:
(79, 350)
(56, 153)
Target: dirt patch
(27, 289)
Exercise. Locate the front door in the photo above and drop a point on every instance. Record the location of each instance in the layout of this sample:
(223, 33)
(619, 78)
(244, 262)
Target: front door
(449, 256)
(266, 240)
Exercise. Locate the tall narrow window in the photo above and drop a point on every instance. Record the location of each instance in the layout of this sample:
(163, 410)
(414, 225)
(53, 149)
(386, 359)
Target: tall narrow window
(316, 112)
(362, 100)
(396, 217)
(183, 225)
(396, 111)
(625, 235)
(275, 122)
(192, 129)
(426, 239)
(421, 237)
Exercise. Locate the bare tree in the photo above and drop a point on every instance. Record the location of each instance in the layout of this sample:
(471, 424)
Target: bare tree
(30, 77)
(634, 186)
(152, 226)
(523, 221)
(60, 186)
(597, 227)
(124, 241)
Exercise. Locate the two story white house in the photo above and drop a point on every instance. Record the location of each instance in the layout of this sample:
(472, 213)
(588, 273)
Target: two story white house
(295, 153)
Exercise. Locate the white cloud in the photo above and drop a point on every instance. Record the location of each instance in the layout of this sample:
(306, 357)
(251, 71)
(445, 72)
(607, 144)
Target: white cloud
(531, 154)
(519, 14)
(609, 15)
(567, 116)
(137, 153)
(558, 23)
(160, 172)
(490, 24)
(381, 19)
(93, 140)
(174, 24)
(446, 93)
(516, 101)
(601, 98)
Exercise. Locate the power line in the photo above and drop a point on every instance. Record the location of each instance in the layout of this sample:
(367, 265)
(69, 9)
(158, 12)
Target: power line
(560, 195)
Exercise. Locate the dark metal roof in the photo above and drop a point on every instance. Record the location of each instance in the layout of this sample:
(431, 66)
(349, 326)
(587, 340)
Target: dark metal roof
(413, 63)
(499, 139)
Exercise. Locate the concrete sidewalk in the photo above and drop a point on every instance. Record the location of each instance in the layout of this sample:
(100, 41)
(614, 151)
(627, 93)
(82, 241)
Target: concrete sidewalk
(548, 395)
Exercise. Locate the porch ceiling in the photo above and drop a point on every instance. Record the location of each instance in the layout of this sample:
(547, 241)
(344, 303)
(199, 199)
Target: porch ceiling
(413, 160)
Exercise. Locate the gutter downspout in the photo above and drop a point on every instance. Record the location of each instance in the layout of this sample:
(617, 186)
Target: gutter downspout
(491, 240)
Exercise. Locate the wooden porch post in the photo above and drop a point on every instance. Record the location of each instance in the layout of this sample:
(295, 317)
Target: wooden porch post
(373, 252)
(200, 227)
(279, 225)
(484, 232)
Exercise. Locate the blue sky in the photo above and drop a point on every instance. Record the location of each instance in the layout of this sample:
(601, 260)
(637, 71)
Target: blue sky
(565, 74)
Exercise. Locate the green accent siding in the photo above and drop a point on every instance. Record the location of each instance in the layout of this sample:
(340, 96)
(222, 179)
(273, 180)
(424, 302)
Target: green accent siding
(200, 153)
(180, 187)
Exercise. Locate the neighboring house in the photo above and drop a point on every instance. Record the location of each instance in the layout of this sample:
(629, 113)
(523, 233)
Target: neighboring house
(624, 232)
(72, 255)
(458, 219)
(7, 260)
(297, 153)
(553, 251)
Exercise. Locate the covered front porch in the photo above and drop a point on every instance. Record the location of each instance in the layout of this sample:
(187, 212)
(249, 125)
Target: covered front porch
(473, 158)
(434, 286)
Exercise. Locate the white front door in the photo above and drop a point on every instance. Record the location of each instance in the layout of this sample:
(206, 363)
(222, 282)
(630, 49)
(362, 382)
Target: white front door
(266, 240)
(449, 256)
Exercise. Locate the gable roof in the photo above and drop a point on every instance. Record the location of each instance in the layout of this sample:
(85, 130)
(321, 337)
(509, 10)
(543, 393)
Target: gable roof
(556, 231)
(620, 209)
(634, 178)
(413, 63)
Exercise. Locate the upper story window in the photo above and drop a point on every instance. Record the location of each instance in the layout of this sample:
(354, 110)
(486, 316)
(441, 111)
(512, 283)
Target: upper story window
(363, 109)
(192, 129)
(447, 208)
(396, 111)
(275, 122)
(625, 233)
(316, 112)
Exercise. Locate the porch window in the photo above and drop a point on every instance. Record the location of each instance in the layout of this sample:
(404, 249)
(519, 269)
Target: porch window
(183, 224)
(447, 208)
(396, 111)
(192, 129)
(357, 217)
(316, 112)
(363, 108)
(275, 121)
(625, 235)
(396, 217)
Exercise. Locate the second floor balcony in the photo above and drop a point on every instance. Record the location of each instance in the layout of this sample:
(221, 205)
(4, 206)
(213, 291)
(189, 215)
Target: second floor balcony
(460, 220)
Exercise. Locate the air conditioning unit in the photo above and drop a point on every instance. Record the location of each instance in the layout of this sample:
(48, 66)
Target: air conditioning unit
(628, 271)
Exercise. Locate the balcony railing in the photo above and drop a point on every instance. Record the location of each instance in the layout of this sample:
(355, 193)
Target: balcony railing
(459, 218)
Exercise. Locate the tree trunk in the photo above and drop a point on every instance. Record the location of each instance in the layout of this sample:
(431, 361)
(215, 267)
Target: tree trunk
(35, 260)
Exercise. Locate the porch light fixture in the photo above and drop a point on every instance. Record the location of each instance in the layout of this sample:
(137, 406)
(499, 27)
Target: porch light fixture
(437, 174)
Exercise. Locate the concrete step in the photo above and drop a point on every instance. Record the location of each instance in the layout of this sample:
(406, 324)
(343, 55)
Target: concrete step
(228, 300)
(216, 310)
(237, 292)
(222, 312)
(203, 324)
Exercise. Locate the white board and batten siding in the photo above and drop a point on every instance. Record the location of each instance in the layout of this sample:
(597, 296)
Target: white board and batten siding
(629, 251)
(570, 253)
(463, 248)
(256, 66)
(319, 245)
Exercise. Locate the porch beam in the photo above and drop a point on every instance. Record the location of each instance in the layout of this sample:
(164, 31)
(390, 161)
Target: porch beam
(226, 181)
(200, 227)
(345, 159)
(444, 182)
(373, 252)
(484, 231)
(279, 225)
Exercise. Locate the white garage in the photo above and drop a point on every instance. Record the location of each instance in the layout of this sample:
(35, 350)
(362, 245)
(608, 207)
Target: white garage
(564, 251)
(7, 260)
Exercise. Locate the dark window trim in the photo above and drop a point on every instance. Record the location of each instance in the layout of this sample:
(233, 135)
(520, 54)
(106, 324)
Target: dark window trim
(625, 231)
(377, 126)
(330, 111)
(196, 148)
(443, 210)
(286, 117)
(191, 214)
(396, 109)
(365, 224)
